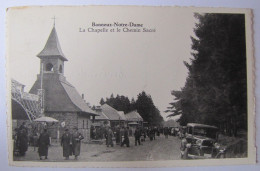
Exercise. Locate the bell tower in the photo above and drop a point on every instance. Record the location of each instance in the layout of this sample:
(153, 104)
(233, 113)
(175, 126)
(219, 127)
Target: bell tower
(52, 57)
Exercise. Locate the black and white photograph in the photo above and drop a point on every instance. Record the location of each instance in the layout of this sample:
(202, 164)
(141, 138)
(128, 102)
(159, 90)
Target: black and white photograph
(130, 86)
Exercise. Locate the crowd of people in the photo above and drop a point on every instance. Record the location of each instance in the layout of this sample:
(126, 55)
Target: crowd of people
(71, 139)
(121, 135)
(70, 142)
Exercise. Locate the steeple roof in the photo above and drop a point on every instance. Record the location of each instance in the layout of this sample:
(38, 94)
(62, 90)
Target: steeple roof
(52, 47)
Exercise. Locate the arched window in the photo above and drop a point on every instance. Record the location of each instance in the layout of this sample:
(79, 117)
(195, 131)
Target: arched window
(49, 67)
(60, 69)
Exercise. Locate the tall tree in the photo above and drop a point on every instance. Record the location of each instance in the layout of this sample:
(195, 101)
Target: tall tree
(102, 101)
(146, 108)
(215, 91)
(120, 103)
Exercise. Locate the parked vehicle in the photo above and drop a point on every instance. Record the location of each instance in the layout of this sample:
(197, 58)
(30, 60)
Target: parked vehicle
(201, 142)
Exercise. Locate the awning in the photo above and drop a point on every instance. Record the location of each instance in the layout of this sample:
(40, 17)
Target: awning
(45, 119)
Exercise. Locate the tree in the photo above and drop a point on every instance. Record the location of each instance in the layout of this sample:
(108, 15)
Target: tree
(215, 91)
(145, 107)
(102, 101)
(132, 104)
(120, 103)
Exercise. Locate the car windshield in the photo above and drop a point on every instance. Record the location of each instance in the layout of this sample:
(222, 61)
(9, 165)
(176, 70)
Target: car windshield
(207, 132)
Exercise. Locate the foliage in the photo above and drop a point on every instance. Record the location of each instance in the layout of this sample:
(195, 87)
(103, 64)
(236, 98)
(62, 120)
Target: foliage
(215, 91)
(144, 106)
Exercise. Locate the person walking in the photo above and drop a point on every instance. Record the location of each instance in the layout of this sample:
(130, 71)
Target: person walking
(166, 132)
(110, 137)
(118, 135)
(143, 134)
(43, 142)
(150, 133)
(66, 143)
(126, 138)
(137, 135)
(36, 136)
(121, 133)
(22, 139)
(76, 142)
(154, 133)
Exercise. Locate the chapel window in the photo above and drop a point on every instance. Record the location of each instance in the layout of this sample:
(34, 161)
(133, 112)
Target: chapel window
(60, 69)
(49, 67)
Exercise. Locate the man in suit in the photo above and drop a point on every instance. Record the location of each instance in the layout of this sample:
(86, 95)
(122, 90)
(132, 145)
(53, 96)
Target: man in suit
(126, 138)
(137, 136)
(66, 143)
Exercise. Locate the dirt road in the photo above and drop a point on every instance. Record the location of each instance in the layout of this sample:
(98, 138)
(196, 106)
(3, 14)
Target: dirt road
(159, 149)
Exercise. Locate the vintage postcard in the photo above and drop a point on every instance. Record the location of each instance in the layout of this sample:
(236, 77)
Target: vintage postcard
(129, 86)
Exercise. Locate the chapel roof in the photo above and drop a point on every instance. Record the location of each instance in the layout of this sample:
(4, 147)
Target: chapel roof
(60, 95)
(52, 47)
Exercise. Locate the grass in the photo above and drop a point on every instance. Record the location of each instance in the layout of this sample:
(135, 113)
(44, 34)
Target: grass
(236, 147)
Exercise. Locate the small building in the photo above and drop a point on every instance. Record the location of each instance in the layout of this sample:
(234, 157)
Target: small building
(61, 99)
(122, 118)
(102, 119)
(134, 119)
(116, 118)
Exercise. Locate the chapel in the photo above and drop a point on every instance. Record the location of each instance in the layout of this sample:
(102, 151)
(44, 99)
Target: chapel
(60, 99)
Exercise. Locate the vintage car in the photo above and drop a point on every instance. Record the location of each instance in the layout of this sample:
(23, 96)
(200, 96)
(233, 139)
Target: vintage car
(200, 142)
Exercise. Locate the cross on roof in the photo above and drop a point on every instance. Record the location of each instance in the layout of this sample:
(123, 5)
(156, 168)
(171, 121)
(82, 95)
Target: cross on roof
(53, 21)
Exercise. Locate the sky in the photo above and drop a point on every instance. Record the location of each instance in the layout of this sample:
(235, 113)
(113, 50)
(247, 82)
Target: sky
(99, 64)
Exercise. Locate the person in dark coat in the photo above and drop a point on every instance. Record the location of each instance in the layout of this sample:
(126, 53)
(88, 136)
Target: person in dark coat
(154, 132)
(158, 132)
(76, 142)
(118, 142)
(66, 143)
(22, 139)
(151, 134)
(126, 138)
(143, 134)
(166, 132)
(137, 136)
(110, 137)
(43, 142)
